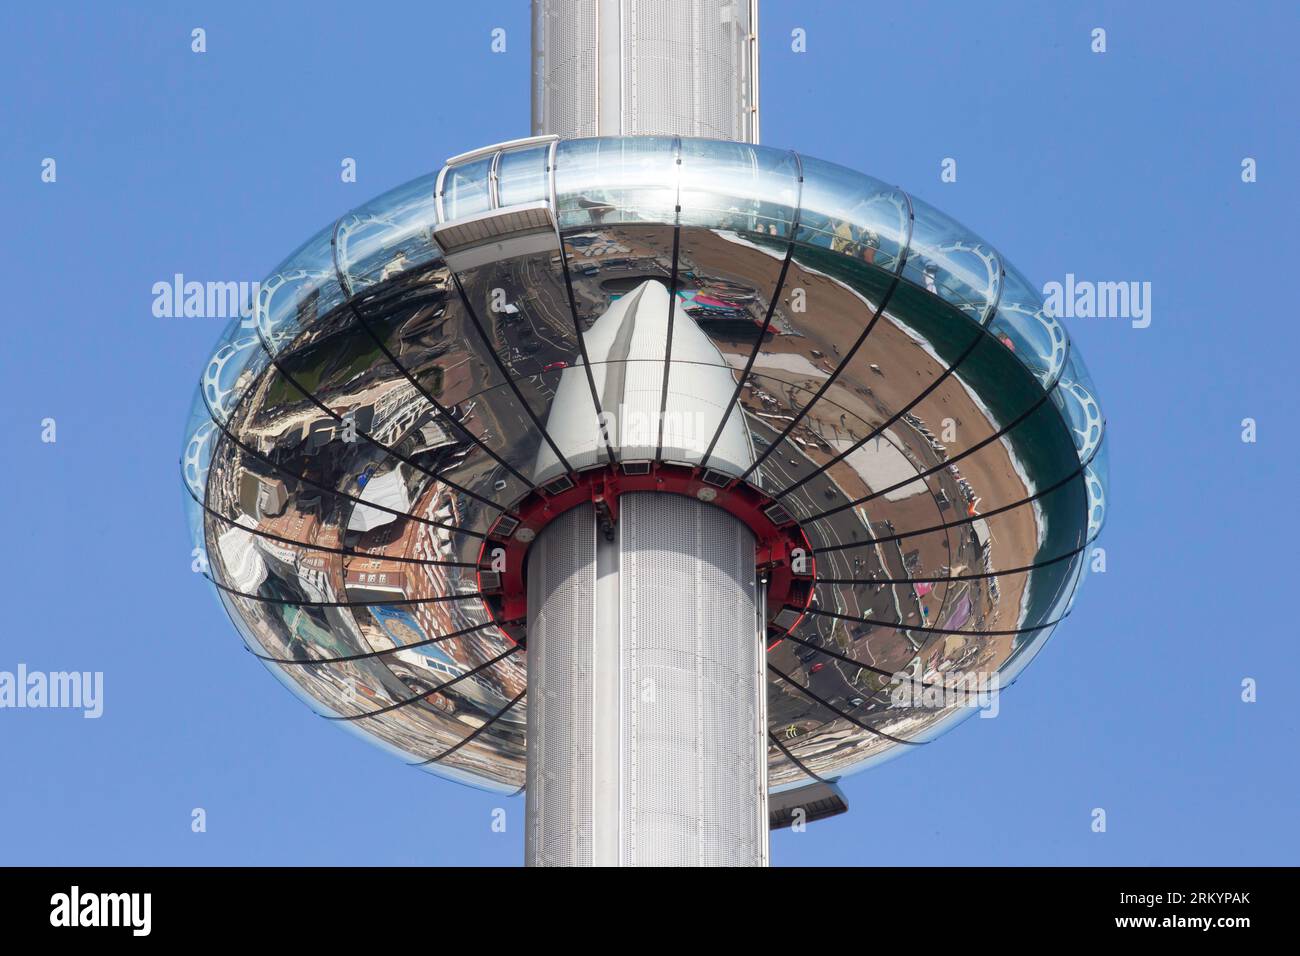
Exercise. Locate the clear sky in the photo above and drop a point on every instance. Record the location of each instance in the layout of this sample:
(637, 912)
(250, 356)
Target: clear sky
(1124, 165)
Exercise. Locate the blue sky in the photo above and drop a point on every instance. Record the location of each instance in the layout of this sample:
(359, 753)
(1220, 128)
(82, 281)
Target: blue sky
(1116, 166)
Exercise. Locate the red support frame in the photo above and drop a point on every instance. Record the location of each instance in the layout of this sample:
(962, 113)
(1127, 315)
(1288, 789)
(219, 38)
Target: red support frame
(783, 556)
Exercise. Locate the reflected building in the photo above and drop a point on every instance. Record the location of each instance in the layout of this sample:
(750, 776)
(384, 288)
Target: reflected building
(667, 476)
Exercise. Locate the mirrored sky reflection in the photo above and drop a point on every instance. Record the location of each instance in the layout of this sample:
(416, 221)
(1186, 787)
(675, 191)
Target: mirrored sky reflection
(907, 399)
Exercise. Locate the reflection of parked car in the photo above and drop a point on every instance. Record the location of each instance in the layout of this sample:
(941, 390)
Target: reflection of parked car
(426, 667)
(428, 697)
(699, 312)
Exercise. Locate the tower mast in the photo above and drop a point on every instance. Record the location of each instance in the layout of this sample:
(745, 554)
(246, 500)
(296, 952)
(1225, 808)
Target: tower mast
(646, 68)
(646, 683)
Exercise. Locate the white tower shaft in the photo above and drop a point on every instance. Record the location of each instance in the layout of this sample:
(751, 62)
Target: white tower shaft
(646, 689)
(646, 67)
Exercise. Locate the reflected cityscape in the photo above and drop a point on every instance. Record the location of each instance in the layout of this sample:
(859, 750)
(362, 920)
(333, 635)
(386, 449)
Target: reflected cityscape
(358, 447)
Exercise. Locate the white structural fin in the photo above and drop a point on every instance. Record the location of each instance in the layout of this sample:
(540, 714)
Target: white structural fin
(626, 348)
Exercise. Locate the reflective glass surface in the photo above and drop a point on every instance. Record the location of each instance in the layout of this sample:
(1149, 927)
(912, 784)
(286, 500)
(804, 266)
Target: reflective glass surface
(747, 188)
(852, 214)
(948, 261)
(465, 189)
(522, 176)
(388, 235)
(1023, 325)
(616, 179)
(874, 367)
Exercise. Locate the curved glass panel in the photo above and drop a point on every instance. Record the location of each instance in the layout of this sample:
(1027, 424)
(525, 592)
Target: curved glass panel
(1097, 482)
(917, 460)
(251, 641)
(1061, 600)
(195, 524)
(236, 363)
(201, 435)
(1024, 326)
(388, 235)
(1076, 397)
(739, 187)
(853, 214)
(609, 180)
(950, 261)
(465, 190)
(303, 290)
(522, 176)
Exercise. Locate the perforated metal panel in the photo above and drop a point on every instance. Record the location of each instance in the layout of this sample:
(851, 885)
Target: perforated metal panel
(645, 681)
(565, 81)
(561, 590)
(692, 710)
(684, 65)
(666, 67)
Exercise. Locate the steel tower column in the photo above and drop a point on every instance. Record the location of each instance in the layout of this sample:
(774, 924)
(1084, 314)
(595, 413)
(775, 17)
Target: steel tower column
(646, 67)
(646, 689)
(646, 683)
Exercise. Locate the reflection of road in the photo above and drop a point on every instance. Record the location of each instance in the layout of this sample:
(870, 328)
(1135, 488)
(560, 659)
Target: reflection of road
(542, 296)
(842, 528)
(540, 332)
(917, 555)
(886, 647)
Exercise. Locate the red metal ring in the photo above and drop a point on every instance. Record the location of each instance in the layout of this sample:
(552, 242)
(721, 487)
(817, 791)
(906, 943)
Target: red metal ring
(783, 556)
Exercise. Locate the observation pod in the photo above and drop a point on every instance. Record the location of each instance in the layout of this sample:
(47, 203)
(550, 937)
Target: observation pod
(658, 475)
